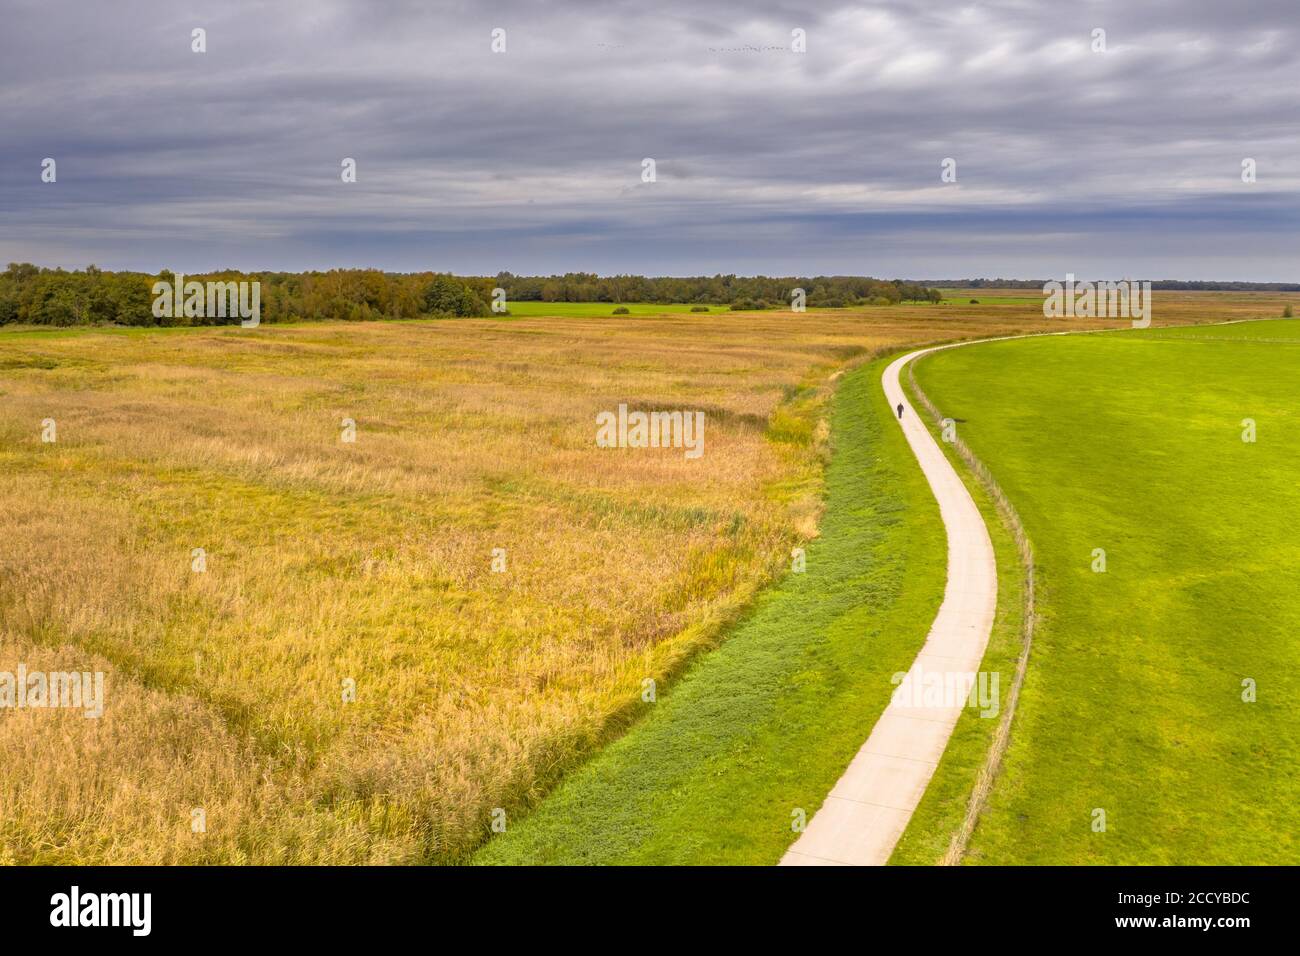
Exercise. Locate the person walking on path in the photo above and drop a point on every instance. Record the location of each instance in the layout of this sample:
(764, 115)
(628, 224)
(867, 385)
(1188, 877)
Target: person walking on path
(900, 410)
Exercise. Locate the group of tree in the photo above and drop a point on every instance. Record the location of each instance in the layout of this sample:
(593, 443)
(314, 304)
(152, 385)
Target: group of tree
(39, 296)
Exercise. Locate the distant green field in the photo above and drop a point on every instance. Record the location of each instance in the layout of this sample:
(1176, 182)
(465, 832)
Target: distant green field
(1001, 297)
(1132, 443)
(536, 309)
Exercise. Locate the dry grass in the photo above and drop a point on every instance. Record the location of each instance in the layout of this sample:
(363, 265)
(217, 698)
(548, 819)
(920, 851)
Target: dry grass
(372, 560)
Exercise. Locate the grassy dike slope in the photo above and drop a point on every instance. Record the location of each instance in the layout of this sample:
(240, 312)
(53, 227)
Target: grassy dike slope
(767, 723)
(1131, 442)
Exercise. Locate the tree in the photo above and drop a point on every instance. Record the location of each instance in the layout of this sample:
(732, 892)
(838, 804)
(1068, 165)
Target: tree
(447, 295)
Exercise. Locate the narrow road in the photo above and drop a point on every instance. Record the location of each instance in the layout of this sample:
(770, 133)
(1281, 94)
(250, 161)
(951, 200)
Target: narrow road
(869, 808)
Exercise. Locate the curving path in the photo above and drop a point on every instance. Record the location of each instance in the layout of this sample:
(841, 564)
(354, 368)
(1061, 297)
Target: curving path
(868, 809)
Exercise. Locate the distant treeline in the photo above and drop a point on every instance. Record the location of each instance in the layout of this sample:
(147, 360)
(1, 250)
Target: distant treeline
(1171, 285)
(744, 291)
(37, 296)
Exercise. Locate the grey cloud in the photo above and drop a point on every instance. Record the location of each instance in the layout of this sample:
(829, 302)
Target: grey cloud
(768, 161)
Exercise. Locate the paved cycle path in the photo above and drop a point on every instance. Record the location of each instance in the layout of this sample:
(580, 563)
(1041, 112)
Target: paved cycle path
(869, 808)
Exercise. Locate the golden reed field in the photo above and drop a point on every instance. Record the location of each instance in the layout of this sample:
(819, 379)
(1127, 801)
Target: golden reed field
(341, 675)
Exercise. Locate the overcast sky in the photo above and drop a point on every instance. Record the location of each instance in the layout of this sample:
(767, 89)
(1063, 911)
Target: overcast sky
(1126, 162)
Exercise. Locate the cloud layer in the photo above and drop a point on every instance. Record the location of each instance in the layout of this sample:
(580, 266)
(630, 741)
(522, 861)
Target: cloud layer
(1126, 161)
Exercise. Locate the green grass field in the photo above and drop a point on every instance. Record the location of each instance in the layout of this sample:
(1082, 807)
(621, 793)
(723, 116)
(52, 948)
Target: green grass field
(545, 309)
(554, 309)
(1132, 442)
(991, 297)
(767, 723)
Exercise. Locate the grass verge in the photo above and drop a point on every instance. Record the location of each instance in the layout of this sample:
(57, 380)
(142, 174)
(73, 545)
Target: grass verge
(767, 723)
(940, 826)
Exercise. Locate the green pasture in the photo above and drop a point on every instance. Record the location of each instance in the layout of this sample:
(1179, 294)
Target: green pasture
(1161, 693)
